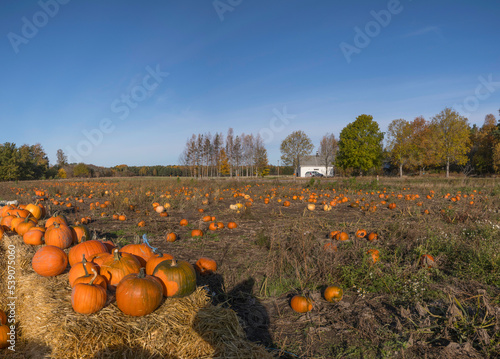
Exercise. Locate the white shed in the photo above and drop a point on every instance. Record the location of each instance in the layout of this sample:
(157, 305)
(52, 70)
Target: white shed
(315, 163)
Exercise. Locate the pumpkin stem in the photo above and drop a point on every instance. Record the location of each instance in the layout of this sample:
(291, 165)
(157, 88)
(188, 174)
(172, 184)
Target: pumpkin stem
(85, 267)
(145, 241)
(142, 273)
(117, 255)
(94, 277)
(84, 261)
(174, 262)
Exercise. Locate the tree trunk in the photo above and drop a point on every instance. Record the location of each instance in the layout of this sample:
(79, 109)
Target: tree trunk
(447, 167)
(401, 170)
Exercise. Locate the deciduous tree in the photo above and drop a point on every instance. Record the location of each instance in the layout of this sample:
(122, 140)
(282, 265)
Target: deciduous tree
(81, 170)
(399, 143)
(360, 145)
(327, 149)
(62, 159)
(294, 146)
(450, 133)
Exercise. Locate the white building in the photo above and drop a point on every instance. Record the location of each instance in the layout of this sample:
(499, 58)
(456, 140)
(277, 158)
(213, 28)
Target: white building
(315, 163)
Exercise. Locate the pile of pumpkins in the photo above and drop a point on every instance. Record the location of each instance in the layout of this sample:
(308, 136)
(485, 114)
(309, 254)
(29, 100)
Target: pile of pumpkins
(140, 276)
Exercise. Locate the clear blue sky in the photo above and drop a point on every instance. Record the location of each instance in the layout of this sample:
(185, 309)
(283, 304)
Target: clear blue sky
(85, 64)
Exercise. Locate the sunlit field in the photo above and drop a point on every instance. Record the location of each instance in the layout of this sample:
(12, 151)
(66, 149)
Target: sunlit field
(416, 261)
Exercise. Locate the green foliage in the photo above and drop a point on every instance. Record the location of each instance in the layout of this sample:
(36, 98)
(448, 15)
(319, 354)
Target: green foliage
(23, 163)
(360, 145)
(484, 144)
(260, 161)
(81, 170)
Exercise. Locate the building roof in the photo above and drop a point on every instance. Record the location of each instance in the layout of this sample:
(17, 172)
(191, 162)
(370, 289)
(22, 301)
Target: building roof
(314, 161)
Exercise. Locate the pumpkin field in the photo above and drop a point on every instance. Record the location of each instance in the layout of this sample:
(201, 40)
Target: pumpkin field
(252, 268)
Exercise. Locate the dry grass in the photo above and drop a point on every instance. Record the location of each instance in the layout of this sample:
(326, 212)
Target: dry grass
(187, 327)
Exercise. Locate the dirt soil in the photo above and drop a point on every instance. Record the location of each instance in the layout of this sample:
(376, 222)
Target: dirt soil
(361, 325)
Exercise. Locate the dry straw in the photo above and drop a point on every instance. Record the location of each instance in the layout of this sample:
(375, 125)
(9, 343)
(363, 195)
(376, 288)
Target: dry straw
(48, 327)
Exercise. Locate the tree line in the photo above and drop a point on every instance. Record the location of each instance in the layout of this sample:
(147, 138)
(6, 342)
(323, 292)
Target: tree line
(418, 145)
(445, 141)
(207, 155)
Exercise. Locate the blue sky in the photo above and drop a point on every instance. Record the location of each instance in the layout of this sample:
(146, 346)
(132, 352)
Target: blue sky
(100, 67)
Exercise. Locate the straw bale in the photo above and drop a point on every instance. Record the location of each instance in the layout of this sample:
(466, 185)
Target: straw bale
(181, 328)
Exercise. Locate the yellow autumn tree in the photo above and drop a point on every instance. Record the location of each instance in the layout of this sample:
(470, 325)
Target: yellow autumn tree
(223, 163)
(62, 173)
(399, 143)
(451, 138)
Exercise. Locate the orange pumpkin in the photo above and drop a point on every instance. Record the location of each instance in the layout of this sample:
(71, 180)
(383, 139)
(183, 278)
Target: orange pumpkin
(427, 261)
(361, 233)
(61, 219)
(80, 269)
(142, 252)
(49, 261)
(59, 235)
(89, 248)
(374, 255)
(333, 294)
(205, 266)
(25, 226)
(342, 236)
(196, 233)
(117, 266)
(3, 317)
(139, 294)
(301, 304)
(155, 260)
(171, 237)
(88, 298)
(4, 336)
(87, 277)
(33, 237)
(372, 236)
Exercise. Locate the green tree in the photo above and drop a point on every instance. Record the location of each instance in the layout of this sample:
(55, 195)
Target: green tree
(360, 145)
(260, 158)
(81, 170)
(294, 146)
(10, 169)
(451, 138)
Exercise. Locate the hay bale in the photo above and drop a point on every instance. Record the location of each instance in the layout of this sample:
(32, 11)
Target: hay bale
(187, 327)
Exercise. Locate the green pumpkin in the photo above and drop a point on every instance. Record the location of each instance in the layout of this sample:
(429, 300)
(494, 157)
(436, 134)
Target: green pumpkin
(177, 278)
